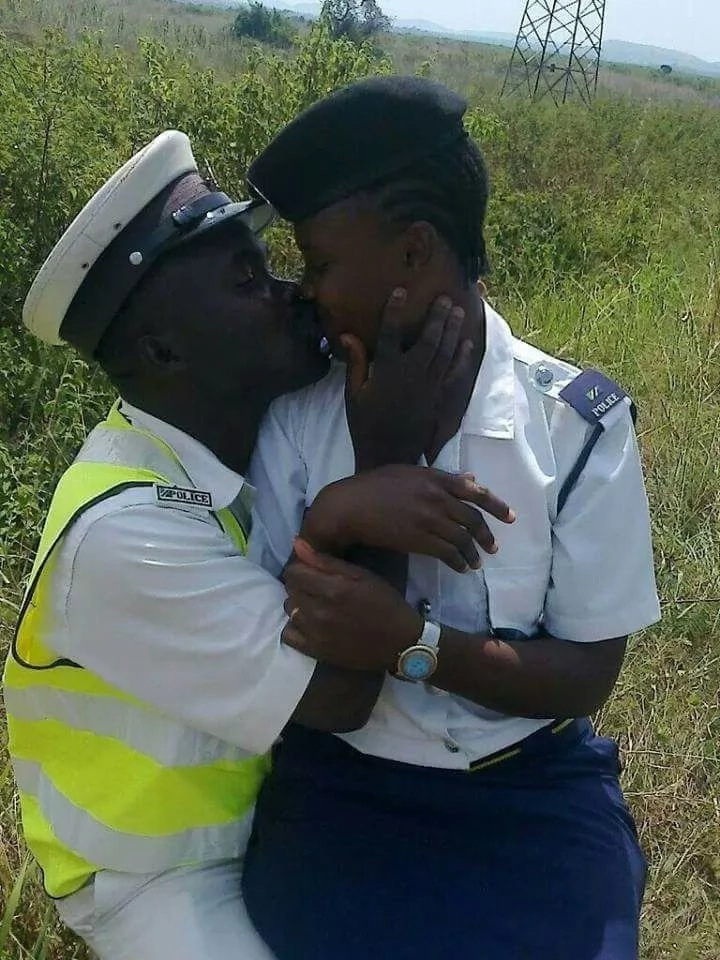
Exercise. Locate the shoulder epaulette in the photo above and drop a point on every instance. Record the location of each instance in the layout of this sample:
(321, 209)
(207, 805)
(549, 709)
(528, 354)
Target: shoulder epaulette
(593, 395)
(590, 393)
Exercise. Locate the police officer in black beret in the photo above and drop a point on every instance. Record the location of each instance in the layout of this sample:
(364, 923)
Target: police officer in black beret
(476, 814)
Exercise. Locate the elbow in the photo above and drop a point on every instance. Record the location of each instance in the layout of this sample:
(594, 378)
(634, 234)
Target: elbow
(338, 701)
(591, 686)
(344, 721)
(351, 724)
(591, 700)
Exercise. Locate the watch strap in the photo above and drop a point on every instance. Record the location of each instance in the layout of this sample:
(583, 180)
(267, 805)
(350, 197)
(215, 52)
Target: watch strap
(430, 637)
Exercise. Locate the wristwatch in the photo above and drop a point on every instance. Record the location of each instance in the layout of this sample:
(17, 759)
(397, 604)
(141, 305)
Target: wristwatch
(419, 662)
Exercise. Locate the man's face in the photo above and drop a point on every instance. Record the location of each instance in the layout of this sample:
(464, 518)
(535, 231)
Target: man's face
(239, 328)
(353, 261)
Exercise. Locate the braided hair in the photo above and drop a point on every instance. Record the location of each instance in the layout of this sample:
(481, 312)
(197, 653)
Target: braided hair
(450, 190)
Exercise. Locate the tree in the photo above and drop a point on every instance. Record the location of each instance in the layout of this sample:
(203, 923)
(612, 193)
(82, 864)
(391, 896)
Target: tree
(356, 20)
(256, 21)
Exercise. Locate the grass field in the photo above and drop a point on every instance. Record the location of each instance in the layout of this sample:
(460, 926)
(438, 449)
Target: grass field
(606, 250)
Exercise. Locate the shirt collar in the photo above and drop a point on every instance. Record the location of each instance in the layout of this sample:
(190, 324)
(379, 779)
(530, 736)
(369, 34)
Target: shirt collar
(491, 410)
(206, 472)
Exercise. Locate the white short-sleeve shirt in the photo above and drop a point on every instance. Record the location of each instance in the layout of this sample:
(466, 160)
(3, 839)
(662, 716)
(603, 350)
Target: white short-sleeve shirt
(159, 602)
(585, 574)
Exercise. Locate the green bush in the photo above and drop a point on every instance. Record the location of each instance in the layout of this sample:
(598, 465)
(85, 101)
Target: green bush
(72, 112)
(258, 22)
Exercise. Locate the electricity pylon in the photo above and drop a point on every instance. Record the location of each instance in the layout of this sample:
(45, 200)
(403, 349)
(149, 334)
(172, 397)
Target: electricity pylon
(557, 50)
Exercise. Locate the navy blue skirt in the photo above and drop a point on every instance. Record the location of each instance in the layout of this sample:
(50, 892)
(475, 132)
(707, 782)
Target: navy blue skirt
(358, 858)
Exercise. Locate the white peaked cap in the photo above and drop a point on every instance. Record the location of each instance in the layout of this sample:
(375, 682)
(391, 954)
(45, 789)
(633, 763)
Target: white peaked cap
(110, 224)
(102, 218)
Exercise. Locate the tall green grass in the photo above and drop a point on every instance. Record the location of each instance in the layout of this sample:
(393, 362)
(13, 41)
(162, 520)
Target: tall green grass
(606, 250)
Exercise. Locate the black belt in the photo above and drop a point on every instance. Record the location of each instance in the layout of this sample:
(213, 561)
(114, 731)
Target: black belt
(535, 743)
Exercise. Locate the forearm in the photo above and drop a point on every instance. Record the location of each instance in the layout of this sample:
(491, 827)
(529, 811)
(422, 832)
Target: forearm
(392, 567)
(326, 531)
(537, 678)
(338, 700)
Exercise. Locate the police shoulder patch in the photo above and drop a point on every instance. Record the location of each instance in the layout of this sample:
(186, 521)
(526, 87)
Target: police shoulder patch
(593, 395)
(183, 496)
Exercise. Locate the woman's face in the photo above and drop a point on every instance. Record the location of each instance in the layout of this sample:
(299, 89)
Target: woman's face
(353, 262)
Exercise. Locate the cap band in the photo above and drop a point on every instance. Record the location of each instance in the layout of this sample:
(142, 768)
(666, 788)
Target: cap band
(128, 259)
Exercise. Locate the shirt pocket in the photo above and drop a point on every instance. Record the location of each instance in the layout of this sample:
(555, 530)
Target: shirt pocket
(516, 596)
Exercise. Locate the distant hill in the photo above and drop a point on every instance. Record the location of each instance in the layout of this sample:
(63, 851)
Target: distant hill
(614, 51)
(620, 51)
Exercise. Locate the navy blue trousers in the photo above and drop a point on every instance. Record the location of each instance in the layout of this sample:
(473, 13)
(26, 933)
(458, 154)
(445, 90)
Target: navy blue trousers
(358, 858)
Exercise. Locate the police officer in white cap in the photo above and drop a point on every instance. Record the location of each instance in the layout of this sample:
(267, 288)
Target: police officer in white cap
(147, 678)
(143, 686)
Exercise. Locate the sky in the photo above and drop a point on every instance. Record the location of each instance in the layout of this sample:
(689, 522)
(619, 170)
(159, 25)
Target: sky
(692, 26)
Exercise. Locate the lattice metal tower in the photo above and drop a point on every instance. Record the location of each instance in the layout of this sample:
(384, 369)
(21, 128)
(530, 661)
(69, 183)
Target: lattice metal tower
(557, 50)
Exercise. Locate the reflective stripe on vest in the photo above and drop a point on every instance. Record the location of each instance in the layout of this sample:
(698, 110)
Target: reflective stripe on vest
(88, 838)
(105, 780)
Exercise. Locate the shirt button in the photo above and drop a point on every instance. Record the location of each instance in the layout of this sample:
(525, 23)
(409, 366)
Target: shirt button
(543, 377)
(451, 745)
(424, 608)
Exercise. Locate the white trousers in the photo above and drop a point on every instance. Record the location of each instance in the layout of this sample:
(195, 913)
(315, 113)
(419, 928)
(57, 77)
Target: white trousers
(190, 913)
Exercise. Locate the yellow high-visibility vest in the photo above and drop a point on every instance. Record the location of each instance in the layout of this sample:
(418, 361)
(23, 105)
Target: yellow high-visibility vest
(105, 780)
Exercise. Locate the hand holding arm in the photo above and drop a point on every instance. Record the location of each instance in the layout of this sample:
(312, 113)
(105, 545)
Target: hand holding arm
(391, 413)
(408, 510)
(345, 616)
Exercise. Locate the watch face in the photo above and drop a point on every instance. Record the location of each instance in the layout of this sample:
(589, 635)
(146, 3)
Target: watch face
(418, 664)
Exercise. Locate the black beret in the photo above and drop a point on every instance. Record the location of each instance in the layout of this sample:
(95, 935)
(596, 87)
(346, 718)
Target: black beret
(352, 139)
